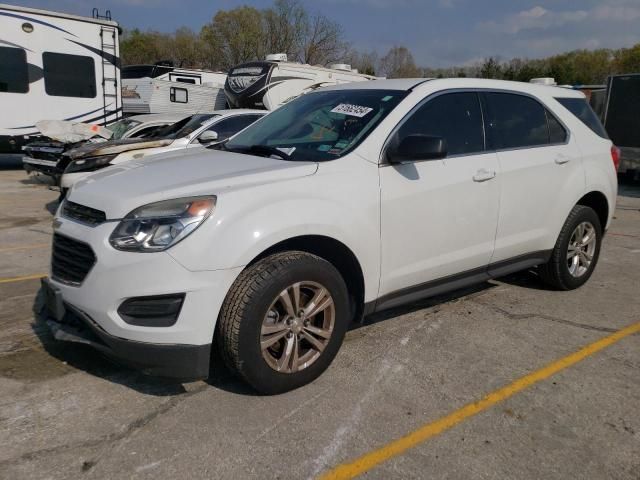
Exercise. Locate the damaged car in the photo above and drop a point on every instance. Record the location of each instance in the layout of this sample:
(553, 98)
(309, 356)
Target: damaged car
(42, 155)
(197, 130)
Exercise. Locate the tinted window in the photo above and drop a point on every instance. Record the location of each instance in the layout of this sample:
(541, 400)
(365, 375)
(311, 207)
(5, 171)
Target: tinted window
(557, 133)
(516, 121)
(14, 76)
(69, 75)
(623, 117)
(230, 126)
(581, 109)
(456, 117)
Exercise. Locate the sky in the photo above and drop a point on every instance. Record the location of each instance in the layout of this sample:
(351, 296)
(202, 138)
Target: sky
(439, 33)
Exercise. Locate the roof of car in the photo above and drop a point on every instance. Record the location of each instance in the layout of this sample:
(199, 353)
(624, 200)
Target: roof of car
(405, 84)
(159, 117)
(238, 111)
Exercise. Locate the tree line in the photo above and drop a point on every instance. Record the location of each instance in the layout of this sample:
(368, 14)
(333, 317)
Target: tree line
(246, 33)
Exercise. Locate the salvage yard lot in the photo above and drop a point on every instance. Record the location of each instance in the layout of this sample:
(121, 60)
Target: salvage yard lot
(65, 412)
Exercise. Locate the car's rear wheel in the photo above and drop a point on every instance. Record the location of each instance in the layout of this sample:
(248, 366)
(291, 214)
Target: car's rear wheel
(283, 321)
(576, 252)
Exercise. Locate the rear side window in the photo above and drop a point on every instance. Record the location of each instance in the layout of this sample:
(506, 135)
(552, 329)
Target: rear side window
(516, 121)
(14, 75)
(456, 117)
(557, 133)
(581, 109)
(69, 75)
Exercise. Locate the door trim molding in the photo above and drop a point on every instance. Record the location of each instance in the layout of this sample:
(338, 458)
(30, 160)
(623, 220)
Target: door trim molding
(457, 281)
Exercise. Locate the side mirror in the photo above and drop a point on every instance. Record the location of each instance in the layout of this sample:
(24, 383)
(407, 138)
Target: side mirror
(417, 147)
(208, 137)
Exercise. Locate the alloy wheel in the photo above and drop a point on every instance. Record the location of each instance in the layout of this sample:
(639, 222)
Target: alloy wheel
(297, 327)
(582, 247)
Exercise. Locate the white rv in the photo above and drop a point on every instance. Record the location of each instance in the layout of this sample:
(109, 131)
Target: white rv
(55, 66)
(276, 81)
(165, 89)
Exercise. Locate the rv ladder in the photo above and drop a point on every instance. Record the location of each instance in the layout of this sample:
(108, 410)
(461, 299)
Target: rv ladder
(109, 72)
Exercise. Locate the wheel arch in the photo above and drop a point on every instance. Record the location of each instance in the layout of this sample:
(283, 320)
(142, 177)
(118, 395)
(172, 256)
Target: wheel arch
(599, 203)
(333, 251)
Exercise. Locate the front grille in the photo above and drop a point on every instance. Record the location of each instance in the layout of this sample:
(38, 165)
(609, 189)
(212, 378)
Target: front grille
(44, 152)
(86, 215)
(71, 260)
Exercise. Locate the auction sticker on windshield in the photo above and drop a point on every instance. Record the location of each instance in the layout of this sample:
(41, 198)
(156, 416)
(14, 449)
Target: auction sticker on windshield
(352, 110)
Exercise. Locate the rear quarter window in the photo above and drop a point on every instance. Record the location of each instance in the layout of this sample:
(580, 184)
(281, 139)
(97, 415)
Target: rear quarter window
(581, 109)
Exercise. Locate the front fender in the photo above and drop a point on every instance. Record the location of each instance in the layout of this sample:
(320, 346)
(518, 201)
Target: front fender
(249, 221)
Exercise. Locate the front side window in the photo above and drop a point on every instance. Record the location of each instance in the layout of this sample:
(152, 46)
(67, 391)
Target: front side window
(456, 117)
(14, 73)
(228, 127)
(69, 75)
(320, 125)
(516, 121)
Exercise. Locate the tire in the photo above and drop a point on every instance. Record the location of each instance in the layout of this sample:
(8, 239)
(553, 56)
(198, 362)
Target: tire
(559, 272)
(255, 310)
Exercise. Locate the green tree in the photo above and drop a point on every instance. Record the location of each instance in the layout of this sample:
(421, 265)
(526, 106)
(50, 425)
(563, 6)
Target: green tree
(627, 60)
(236, 36)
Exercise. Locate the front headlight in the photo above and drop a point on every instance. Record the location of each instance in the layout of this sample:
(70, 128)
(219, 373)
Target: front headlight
(158, 226)
(89, 164)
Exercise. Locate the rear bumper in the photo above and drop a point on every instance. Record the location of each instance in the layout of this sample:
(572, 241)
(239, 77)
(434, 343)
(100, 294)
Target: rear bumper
(179, 361)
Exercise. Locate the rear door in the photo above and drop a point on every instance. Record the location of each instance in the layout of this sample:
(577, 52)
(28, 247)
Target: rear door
(540, 173)
(439, 217)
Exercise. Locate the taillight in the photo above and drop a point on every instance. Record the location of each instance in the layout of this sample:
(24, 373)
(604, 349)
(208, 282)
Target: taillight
(615, 156)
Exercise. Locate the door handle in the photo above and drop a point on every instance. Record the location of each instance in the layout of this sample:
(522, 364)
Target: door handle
(562, 159)
(483, 175)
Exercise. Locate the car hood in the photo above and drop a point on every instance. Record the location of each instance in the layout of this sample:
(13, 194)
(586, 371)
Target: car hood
(119, 189)
(115, 147)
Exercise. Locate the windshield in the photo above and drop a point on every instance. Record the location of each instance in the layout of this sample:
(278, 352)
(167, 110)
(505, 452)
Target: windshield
(121, 127)
(318, 126)
(184, 127)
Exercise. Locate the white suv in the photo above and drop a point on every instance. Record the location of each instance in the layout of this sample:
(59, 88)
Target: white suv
(345, 201)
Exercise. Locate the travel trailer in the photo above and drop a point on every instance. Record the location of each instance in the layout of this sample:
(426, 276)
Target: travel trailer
(275, 81)
(622, 121)
(55, 66)
(165, 89)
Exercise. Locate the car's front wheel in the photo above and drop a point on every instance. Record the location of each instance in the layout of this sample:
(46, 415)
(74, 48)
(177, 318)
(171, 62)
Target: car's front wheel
(283, 321)
(576, 252)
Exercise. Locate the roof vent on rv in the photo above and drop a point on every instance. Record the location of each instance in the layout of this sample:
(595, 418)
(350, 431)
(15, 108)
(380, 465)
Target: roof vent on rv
(276, 57)
(340, 66)
(548, 81)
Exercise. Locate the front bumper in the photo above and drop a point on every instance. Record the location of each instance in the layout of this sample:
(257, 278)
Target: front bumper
(117, 276)
(183, 362)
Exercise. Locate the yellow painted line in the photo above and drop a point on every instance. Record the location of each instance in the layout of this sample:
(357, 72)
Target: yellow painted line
(369, 460)
(21, 279)
(24, 247)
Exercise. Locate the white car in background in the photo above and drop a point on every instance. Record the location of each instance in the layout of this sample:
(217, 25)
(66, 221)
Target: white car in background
(44, 156)
(200, 130)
